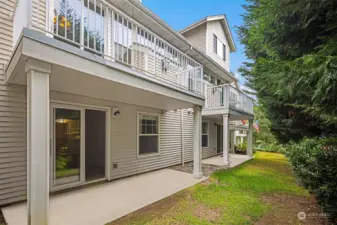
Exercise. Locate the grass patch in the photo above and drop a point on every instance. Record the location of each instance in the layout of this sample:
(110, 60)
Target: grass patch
(234, 196)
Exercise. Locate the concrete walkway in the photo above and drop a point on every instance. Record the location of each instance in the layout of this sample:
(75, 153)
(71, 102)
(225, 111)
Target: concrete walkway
(98, 205)
(234, 160)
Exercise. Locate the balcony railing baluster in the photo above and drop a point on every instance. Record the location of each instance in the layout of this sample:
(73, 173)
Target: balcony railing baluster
(232, 97)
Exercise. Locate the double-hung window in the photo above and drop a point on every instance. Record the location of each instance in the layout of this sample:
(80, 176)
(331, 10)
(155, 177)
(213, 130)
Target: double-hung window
(148, 134)
(215, 44)
(205, 133)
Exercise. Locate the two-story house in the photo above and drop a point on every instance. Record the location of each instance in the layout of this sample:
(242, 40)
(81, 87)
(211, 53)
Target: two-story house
(96, 90)
(225, 104)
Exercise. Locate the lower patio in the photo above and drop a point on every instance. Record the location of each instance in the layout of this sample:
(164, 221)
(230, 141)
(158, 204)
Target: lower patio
(234, 160)
(104, 203)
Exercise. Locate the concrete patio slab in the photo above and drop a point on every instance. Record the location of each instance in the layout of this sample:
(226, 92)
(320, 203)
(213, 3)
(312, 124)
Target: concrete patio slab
(100, 204)
(234, 160)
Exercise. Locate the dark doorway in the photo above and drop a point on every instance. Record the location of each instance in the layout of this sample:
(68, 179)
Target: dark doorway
(95, 144)
(219, 138)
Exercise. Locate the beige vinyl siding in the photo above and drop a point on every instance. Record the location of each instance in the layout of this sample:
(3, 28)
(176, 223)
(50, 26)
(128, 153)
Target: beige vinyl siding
(188, 137)
(197, 37)
(13, 153)
(188, 134)
(210, 151)
(216, 28)
(124, 142)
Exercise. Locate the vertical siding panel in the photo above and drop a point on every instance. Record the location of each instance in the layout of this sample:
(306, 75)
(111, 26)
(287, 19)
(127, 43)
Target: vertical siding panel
(13, 157)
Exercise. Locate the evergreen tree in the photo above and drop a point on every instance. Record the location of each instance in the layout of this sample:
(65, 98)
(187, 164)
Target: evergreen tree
(291, 47)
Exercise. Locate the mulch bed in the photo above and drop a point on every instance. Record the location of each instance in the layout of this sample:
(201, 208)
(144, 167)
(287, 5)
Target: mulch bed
(207, 169)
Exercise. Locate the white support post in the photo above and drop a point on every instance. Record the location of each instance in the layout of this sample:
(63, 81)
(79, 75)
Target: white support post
(226, 132)
(38, 147)
(197, 167)
(250, 139)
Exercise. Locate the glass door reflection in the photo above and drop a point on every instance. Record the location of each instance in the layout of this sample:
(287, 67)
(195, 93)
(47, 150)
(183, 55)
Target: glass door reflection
(67, 146)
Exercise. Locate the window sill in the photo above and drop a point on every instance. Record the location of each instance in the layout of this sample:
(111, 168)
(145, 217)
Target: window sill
(150, 155)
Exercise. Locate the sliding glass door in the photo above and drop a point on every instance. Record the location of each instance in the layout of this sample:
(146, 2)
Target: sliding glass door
(78, 145)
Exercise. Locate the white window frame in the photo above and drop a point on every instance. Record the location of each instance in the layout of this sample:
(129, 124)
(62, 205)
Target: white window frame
(215, 43)
(220, 47)
(138, 134)
(205, 121)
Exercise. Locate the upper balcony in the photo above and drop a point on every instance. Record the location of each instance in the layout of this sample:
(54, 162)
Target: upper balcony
(98, 27)
(225, 98)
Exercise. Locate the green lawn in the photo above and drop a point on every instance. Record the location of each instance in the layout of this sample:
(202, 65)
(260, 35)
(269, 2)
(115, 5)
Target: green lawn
(262, 190)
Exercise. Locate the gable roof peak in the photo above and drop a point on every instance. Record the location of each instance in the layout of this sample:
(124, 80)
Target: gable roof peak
(222, 18)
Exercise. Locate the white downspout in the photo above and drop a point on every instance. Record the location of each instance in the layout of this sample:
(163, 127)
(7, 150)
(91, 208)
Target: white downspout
(182, 137)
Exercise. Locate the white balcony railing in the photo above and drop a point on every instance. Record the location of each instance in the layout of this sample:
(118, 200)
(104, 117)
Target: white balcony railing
(243, 124)
(228, 97)
(98, 27)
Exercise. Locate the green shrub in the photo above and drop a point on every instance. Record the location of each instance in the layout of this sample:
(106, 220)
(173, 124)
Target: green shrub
(274, 147)
(241, 148)
(325, 185)
(314, 162)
